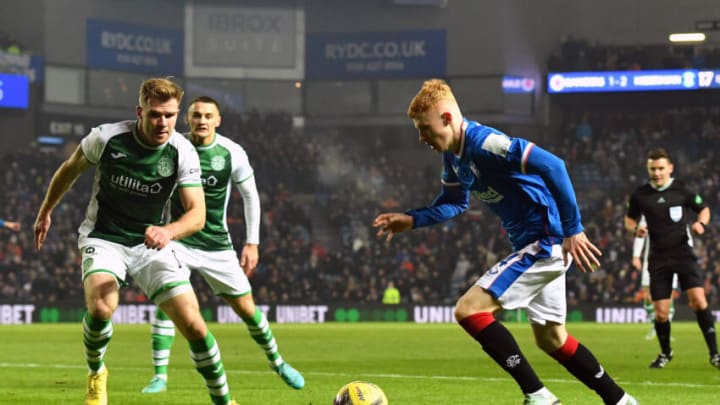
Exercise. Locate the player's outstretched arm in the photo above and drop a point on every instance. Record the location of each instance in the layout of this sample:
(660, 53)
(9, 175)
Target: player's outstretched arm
(60, 183)
(11, 225)
(391, 223)
(584, 253)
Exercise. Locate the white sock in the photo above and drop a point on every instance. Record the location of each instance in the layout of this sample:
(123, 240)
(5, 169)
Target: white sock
(542, 392)
(624, 400)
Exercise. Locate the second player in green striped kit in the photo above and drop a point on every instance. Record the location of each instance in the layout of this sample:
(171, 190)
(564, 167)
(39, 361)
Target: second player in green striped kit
(210, 252)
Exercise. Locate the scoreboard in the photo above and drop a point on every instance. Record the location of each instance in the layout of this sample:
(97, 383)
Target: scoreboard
(632, 80)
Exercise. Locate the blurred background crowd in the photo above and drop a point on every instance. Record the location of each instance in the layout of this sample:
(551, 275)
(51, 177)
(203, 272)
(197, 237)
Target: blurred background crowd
(320, 192)
(321, 186)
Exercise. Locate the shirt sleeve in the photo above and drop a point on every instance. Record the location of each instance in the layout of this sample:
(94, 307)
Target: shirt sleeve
(695, 201)
(244, 179)
(93, 145)
(536, 160)
(633, 209)
(188, 164)
(251, 208)
(452, 201)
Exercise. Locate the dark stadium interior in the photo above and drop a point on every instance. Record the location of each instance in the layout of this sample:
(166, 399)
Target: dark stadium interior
(331, 153)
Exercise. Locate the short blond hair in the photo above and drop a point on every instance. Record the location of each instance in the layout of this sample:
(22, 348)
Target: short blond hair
(430, 94)
(159, 88)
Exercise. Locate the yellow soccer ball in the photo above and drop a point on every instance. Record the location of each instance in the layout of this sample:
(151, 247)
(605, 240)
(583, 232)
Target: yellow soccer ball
(360, 393)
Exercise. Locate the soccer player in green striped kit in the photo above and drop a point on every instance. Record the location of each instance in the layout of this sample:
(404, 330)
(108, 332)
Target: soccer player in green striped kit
(210, 252)
(138, 165)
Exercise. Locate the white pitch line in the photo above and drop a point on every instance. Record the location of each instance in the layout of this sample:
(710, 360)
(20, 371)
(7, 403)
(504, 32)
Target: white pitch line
(381, 375)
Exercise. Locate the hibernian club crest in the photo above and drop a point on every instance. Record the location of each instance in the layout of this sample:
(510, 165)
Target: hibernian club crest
(217, 163)
(165, 167)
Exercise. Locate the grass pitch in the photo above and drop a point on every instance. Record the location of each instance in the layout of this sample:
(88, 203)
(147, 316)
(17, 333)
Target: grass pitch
(414, 364)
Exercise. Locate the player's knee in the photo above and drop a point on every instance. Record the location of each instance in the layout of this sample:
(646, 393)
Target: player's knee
(99, 309)
(547, 344)
(463, 309)
(189, 322)
(549, 337)
(662, 316)
(696, 299)
(243, 306)
(101, 306)
(697, 306)
(476, 300)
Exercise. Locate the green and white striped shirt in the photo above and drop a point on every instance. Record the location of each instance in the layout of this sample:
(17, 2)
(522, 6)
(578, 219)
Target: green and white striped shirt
(133, 181)
(224, 163)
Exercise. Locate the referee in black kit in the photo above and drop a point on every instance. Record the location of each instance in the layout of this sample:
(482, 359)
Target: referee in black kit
(667, 204)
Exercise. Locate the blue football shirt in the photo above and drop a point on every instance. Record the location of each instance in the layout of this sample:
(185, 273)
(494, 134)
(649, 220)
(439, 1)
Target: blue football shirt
(526, 186)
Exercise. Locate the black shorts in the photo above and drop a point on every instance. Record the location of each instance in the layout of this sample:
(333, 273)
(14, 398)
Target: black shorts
(661, 275)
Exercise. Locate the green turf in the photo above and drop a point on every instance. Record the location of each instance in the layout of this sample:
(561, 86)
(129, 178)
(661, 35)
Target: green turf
(414, 364)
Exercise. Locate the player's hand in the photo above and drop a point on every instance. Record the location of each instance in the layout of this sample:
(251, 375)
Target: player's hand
(641, 232)
(698, 228)
(583, 252)
(391, 223)
(157, 237)
(14, 226)
(249, 258)
(42, 226)
(636, 263)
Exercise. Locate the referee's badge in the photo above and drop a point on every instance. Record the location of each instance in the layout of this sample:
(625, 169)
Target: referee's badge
(676, 213)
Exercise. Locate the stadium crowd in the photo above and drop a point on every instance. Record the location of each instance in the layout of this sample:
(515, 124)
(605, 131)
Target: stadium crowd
(333, 186)
(580, 54)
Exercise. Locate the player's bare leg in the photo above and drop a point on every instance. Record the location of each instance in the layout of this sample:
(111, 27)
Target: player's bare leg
(259, 329)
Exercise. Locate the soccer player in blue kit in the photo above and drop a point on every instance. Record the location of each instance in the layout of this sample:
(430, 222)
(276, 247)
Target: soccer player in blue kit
(530, 190)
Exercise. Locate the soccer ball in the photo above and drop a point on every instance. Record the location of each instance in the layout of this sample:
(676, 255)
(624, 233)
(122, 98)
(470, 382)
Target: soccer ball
(360, 393)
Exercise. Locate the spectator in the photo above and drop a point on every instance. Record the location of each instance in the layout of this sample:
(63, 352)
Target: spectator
(391, 294)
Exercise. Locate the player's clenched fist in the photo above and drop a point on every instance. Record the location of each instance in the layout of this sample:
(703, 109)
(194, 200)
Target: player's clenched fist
(157, 237)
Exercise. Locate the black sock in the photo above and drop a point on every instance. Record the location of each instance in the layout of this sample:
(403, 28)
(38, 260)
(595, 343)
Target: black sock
(586, 368)
(501, 346)
(707, 327)
(662, 329)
